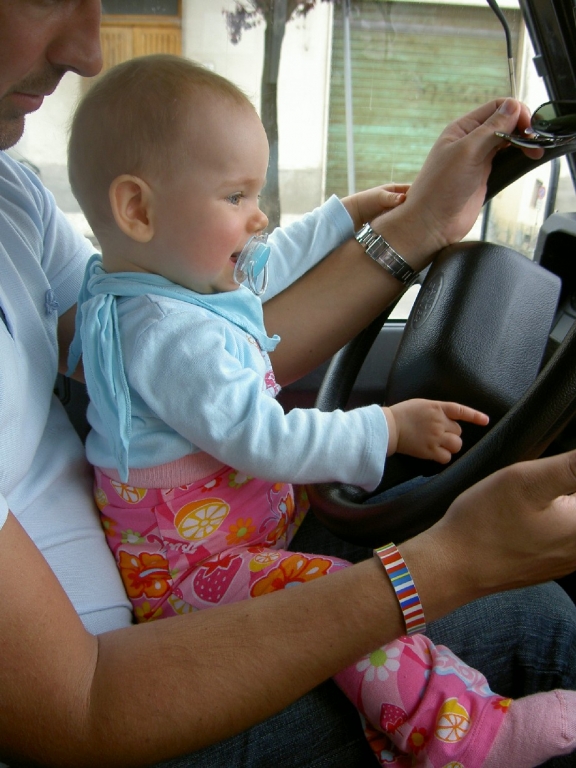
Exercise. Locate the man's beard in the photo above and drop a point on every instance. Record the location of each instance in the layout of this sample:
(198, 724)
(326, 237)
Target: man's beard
(12, 121)
(11, 131)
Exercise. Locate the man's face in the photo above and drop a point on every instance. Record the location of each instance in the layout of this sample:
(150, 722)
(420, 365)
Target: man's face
(39, 42)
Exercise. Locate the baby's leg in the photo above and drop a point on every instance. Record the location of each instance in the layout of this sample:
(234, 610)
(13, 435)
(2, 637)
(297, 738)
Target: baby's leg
(241, 573)
(421, 697)
(432, 705)
(196, 545)
(225, 562)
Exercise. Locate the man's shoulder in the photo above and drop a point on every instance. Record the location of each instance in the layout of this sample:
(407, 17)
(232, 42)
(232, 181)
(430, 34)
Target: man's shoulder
(21, 187)
(14, 170)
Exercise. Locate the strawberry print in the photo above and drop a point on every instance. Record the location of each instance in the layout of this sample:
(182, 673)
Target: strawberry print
(213, 580)
(392, 717)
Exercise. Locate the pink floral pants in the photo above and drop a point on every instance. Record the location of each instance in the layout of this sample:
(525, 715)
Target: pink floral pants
(222, 539)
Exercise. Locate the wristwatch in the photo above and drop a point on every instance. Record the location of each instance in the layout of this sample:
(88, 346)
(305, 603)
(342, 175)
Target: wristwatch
(383, 253)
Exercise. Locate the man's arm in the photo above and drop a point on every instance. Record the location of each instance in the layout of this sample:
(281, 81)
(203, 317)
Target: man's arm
(70, 699)
(339, 297)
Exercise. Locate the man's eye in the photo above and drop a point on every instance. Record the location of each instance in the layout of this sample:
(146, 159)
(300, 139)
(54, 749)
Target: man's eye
(235, 199)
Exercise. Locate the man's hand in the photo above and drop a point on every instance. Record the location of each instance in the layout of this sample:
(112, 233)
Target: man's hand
(514, 528)
(446, 197)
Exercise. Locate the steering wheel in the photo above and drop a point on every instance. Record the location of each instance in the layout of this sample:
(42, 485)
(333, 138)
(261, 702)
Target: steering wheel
(476, 334)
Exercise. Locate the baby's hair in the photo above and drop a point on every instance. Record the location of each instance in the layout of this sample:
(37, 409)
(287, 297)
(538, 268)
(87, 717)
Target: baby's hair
(133, 121)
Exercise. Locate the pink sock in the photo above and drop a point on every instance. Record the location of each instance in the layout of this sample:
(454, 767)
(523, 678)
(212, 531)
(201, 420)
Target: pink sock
(535, 729)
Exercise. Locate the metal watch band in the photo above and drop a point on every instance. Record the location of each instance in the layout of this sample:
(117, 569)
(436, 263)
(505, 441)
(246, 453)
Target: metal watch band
(383, 253)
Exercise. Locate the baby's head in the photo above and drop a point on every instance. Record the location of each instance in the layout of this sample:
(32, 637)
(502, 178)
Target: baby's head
(153, 145)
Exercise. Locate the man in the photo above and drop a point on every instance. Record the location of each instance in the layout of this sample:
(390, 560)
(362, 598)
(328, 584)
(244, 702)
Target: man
(69, 697)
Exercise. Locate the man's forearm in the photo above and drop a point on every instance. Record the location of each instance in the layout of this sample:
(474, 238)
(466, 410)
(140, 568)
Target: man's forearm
(340, 296)
(146, 693)
(206, 676)
(325, 309)
(69, 699)
(221, 671)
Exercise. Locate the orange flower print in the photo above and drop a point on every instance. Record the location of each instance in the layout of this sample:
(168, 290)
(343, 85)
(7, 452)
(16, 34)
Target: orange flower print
(295, 569)
(286, 506)
(276, 534)
(146, 574)
(417, 739)
(286, 510)
(240, 531)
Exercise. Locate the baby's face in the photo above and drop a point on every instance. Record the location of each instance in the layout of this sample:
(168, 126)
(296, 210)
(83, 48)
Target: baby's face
(207, 211)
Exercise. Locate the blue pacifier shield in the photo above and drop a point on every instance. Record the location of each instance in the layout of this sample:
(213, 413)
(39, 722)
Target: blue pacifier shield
(252, 264)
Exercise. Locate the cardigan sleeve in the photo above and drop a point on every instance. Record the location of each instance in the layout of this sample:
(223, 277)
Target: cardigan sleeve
(203, 381)
(298, 247)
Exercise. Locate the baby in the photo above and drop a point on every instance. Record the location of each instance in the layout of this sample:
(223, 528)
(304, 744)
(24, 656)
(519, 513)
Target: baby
(194, 458)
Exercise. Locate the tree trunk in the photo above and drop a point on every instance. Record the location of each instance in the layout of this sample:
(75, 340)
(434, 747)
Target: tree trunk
(273, 37)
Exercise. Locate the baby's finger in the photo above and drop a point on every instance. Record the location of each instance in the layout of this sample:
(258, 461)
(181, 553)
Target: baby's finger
(442, 455)
(460, 412)
(453, 427)
(391, 199)
(452, 442)
(400, 188)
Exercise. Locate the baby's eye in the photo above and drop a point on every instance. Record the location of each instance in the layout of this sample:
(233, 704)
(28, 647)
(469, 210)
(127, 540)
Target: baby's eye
(235, 199)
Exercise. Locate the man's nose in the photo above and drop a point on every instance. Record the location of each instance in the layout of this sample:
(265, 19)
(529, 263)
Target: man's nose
(75, 45)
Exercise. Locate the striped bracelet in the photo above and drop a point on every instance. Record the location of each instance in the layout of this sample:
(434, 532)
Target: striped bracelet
(403, 585)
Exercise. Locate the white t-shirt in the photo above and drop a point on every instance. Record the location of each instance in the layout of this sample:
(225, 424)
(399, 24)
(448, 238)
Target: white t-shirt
(44, 478)
(3, 511)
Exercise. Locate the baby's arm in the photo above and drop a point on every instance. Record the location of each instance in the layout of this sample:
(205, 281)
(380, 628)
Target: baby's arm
(428, 429)
(365, 206)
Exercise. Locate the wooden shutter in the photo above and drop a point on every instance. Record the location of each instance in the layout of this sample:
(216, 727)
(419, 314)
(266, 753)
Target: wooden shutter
(126, 34)
(415, 67)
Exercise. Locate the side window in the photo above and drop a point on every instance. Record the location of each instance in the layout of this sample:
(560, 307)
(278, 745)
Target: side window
(409, 69)
(400, 72)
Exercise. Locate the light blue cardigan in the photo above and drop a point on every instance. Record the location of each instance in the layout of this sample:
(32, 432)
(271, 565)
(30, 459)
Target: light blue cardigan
(171, 372)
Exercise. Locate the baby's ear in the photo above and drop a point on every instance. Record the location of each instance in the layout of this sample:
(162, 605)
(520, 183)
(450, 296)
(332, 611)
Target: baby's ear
(131, 202)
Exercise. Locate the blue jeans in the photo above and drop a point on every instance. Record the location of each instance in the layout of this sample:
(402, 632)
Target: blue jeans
(523, 641)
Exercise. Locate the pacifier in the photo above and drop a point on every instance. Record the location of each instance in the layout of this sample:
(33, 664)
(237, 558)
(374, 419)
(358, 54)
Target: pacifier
(252, 264)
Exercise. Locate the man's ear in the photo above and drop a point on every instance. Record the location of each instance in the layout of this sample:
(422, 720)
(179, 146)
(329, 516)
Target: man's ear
(131, 201)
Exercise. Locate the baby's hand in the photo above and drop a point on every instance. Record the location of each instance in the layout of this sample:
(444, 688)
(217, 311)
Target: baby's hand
(428, 429)
(365, 206)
